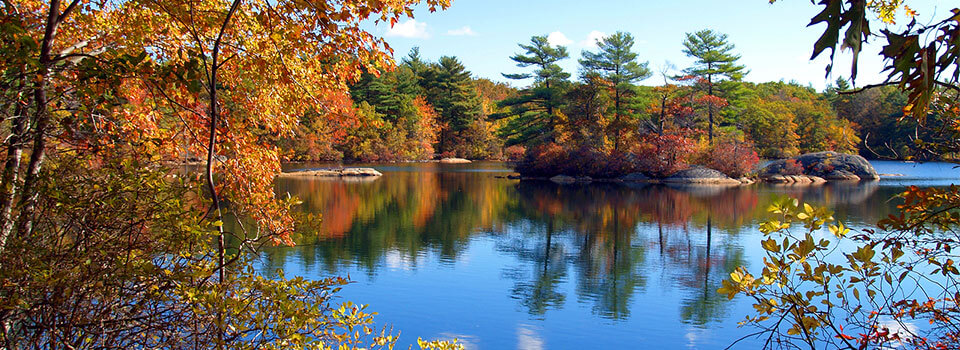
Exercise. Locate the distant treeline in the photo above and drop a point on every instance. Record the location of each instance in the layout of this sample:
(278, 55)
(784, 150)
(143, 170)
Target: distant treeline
(423, 110)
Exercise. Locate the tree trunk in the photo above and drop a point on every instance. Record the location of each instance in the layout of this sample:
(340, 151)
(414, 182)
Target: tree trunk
(211, 155)
(551, 123)
(616, 121)
(28, 196)
(663, 114)
(11, 170)
(710, 108)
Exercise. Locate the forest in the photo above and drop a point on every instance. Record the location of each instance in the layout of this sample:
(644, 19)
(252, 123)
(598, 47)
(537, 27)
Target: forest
(422, 110)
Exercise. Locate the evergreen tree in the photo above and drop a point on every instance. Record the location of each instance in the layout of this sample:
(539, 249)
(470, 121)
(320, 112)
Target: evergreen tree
(380, 92)
(449, 88)
(715, 62)
(535, 107)
(416, 67)
(617, 64)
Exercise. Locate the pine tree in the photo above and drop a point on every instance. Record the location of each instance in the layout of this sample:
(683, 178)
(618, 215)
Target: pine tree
(535, 107)
(415, 64)
(715, 62)
(617, 64)
(380, 92)
(449, 88)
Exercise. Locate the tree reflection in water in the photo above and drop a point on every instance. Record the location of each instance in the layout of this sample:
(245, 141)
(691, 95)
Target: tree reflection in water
(605, 244)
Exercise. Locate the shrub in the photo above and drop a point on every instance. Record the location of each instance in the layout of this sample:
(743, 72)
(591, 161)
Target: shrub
(515, 153)
(551, 159)
(822, 168)
(663, 155)
(792, 167)
(588, 161)
(734, 158)
(825, 286)
(542, 160)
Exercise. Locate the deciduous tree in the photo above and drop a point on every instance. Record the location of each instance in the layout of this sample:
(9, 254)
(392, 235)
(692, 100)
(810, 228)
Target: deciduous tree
(895, 286)
(103, 245)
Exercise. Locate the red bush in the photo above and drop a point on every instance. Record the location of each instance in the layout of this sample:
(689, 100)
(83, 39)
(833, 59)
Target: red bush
(550, 159)
(663, 155)
(822, 168)
(542, 160)
(736, 159)
(792, 167)
(515, 153)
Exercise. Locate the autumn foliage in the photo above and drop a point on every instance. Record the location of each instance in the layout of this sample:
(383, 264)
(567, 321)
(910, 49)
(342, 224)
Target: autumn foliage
(103, 242)
(551, 159)
(733, 158)
(664, 155)
(655, 155)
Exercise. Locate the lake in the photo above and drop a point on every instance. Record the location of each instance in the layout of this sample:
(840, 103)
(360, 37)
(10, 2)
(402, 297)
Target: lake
(458, 251)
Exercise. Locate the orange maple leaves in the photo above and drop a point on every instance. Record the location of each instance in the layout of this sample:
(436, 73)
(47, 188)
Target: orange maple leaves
(278, 61)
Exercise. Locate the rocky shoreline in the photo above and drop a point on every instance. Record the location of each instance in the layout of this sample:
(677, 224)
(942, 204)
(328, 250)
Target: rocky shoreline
(334, 172)
(805, 170)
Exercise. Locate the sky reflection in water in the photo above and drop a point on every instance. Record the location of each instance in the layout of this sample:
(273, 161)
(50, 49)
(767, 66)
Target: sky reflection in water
(456, 252)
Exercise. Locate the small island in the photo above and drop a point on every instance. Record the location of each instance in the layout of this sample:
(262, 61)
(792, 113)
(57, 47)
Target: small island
(807, 169)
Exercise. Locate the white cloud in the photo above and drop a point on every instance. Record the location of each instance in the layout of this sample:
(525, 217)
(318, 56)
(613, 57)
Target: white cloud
(466, 30)
(591, 41)
(558, 39)
(397, 261)
(527, 338)
(409, 29)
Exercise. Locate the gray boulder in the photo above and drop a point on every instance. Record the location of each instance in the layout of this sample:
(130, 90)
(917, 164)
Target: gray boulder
(841, 175)
(361, 172)
(563, 179)
(454, 161)
(701, 175)
(347, 172)
(826, 165)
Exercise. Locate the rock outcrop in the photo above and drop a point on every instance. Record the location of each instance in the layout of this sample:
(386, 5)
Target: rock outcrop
(795, 179)
(830, 166)
(563, 179)
(454, 161)
(701, 175)
(345, 172)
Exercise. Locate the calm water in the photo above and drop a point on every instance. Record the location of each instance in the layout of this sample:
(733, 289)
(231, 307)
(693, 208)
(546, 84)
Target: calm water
(456, 252)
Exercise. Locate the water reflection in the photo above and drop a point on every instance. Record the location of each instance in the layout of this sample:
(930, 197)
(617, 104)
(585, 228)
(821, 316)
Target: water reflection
(610, 248)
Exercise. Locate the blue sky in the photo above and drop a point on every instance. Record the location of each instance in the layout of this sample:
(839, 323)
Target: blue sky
(773, 39)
